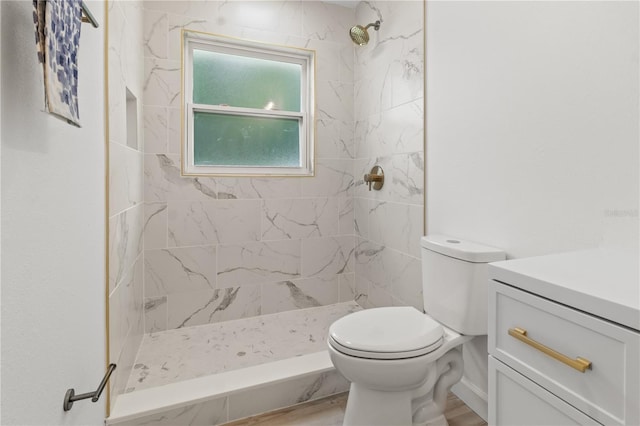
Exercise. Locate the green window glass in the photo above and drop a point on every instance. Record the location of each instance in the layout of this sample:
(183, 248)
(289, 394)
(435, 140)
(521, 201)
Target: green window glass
(239, 81)
(230, 140)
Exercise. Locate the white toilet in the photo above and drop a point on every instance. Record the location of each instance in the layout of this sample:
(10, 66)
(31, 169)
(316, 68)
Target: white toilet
(401, 362)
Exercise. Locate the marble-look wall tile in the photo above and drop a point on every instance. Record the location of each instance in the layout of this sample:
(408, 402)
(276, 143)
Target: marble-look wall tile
(347, 287)
(408, 288)
(390, 67)
(162, 82)
(155, 314)
(283, 17)
(287, 393)
(334, 178)
(410, 295)
(126, 361)
(138, 296)
(361, 167)
(205, 307)
(335, 100)
(177, 22)
(210, 413)
(361, 216)
(395, 131)
(125, 178)
(401, 18)
(163, 182)
(117, 110)
(328, 59)
(179, 270)
(406, 177)
(390, 270)
(362, 292)
(388, 131)
(259, 262)
(125, 242)
(411, 86)
(256, 226)
(403, 178)
(126, 209)
(369, 255)
(155, 129)
(324, 21)
(269, 37)
(379, 296)
(299, 218)
(155, 225)
(299, 294)
(346, 216)
(174, 130)
(369, 92)
(187, 8)
(213, 222)
(120, 301)
(334, 138)
(346, 147)
(126, 324)
(396, 225)
(347, 54)
(328, 256)
(251, 188)
(360, 145)
(155, 34)
(117, 74)
(132, 47)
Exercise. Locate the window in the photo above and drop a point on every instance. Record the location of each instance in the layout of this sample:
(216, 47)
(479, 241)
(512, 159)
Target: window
(248, 107)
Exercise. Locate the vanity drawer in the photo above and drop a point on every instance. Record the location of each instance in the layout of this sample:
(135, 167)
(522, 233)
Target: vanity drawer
(607, 391)
(523, 403)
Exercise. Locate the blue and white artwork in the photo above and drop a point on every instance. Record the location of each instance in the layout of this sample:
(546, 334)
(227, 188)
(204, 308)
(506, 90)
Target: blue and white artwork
(58, 25)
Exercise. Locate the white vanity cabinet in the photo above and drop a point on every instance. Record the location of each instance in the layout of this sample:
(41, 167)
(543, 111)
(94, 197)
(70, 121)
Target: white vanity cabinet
(564, 340)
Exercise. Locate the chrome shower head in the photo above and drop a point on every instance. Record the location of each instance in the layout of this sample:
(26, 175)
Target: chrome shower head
(359, 34)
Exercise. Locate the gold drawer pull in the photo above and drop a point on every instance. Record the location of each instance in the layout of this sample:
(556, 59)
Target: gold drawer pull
(579, 364)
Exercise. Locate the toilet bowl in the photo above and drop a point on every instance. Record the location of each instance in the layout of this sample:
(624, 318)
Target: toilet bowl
(388, 355)
(402, 362)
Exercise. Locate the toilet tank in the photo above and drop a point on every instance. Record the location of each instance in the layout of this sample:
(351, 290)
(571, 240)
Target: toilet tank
(454, 282)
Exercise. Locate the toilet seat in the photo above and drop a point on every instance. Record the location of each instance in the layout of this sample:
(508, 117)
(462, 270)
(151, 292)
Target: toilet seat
(386, 333)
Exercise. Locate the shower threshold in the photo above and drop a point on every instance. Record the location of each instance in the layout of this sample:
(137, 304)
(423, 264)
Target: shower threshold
(216, 373)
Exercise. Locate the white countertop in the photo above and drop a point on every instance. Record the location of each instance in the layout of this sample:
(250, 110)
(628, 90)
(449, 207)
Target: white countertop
(602, 282)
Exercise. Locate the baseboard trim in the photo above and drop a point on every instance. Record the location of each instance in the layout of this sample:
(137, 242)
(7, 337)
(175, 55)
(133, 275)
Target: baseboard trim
(474, 397)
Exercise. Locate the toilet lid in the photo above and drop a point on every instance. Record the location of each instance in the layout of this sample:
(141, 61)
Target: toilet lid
(384, 333)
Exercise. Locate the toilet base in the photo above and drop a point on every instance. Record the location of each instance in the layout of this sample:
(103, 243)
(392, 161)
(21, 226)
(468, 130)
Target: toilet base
(421, 406)
(368, 407)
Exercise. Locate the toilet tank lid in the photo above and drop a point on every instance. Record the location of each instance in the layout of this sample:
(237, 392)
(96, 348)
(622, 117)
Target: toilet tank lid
(460, 249)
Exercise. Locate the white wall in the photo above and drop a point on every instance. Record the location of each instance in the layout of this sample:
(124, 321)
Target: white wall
(532, 127)
(53, 216)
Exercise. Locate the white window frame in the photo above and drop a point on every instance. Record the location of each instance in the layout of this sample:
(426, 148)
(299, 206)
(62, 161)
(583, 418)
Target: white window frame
(306, 117)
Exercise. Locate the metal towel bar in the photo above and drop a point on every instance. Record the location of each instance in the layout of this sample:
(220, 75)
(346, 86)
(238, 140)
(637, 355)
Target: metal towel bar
(87, 16)
(70, 397)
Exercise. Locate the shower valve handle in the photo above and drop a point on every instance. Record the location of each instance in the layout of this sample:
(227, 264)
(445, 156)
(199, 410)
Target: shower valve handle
(375, 178)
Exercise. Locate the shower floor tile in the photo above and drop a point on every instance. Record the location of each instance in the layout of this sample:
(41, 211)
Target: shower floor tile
(186, 353)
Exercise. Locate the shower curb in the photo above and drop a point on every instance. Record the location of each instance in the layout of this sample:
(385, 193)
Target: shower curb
(232, 395)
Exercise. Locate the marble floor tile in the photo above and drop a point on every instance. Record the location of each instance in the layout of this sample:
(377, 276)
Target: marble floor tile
(186, 353)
